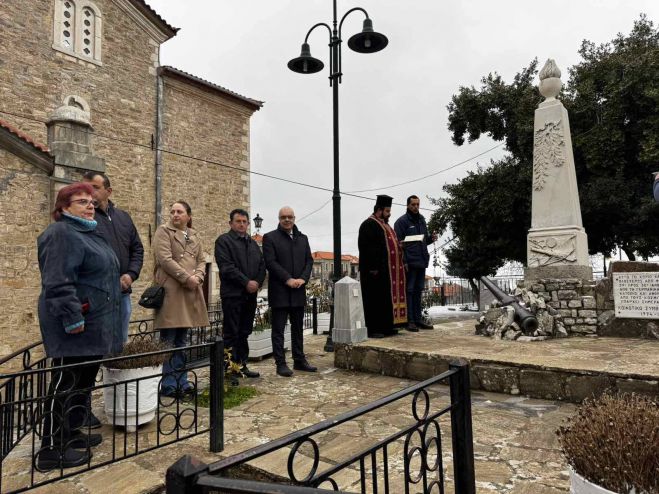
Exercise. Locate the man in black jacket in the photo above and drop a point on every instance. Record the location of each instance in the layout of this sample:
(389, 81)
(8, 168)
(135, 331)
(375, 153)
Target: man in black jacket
(117, 227)
(415, 255)
(242, 272)
(288, 259)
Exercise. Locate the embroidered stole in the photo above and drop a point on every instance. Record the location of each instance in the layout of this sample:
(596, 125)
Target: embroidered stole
(396, 273)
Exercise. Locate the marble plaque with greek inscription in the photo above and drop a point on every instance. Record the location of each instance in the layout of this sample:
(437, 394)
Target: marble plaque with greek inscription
(636, 295)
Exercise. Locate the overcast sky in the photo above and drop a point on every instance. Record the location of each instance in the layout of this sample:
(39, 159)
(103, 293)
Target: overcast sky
(393, 117)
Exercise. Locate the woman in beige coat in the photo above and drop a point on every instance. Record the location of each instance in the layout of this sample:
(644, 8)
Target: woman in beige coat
(180, 268)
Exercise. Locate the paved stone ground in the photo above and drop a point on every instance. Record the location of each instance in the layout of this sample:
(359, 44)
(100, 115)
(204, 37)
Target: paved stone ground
(516, 449)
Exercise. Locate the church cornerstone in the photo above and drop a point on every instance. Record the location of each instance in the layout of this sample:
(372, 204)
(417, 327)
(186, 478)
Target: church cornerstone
(557, 244)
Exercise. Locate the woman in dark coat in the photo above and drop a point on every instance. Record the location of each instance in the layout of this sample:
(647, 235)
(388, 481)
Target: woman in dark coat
(80, 320)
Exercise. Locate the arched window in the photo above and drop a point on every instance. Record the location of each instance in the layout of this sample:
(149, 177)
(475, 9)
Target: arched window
(77, 29)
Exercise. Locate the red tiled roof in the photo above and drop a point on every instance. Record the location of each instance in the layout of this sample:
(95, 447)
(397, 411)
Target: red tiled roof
(329, 256)
(255, 104)
(24, 137)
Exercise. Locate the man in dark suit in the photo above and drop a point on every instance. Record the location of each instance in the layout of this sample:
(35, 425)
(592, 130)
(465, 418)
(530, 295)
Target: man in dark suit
(288, 260)
(242, 272)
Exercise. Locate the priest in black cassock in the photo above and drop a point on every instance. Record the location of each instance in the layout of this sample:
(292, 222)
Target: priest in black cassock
(382, 272)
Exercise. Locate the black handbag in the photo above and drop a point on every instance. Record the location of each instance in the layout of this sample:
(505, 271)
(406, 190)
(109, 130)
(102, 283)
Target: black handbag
(153, 297)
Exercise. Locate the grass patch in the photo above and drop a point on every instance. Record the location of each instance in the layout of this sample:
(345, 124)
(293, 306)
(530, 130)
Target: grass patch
(233, 396)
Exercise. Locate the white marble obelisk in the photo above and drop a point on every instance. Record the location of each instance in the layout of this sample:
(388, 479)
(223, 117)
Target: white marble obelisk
(557, 245)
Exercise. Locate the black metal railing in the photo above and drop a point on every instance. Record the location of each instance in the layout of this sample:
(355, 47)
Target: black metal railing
(416, 446)
(26, 405)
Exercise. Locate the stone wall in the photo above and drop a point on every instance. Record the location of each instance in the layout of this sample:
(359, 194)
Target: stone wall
(570, 307)
(573, 299)
(24, 208)
(201, 123)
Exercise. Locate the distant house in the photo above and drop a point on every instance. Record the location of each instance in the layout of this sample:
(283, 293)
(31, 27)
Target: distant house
(323, 266)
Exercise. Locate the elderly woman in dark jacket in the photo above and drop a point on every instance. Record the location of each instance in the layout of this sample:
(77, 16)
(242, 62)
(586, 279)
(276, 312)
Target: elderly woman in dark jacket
(80, 320)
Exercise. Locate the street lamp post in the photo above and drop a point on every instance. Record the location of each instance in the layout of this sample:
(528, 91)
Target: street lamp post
(368, 41)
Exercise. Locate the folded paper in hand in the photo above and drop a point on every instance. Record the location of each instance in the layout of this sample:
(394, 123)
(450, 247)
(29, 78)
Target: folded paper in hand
(414, 238)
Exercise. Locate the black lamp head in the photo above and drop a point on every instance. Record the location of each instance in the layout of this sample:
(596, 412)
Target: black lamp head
(258, 221)
(305, 63)
(368, 41)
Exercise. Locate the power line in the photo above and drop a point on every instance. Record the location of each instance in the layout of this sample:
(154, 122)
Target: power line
(431, 174)
(315, 210)
(208, 161)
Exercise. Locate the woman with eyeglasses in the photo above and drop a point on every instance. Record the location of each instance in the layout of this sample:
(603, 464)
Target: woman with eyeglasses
(180, 268)
(80, 320)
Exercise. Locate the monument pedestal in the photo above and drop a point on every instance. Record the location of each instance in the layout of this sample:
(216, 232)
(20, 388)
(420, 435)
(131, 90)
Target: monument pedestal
(557, 253)
(349, 324)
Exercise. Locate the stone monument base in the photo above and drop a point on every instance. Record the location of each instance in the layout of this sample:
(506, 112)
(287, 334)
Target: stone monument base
(349, 336)
(558, 271)
(557, 253)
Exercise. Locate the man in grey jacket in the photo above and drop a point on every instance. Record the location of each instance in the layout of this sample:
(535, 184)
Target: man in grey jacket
(242, 272)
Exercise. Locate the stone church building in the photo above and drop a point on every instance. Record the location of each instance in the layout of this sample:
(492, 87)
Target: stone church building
(82, 88)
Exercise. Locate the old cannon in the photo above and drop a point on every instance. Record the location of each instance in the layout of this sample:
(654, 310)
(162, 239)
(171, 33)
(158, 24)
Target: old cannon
(526, 320)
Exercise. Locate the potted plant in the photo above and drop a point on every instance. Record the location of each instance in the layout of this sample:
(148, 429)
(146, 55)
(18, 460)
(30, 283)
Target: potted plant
(612, 445)
(133, 401)
(260, 341)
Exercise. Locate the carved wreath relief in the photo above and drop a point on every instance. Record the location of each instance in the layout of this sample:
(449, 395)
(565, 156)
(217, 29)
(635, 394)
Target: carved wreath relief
(545, 251)
(548, 150)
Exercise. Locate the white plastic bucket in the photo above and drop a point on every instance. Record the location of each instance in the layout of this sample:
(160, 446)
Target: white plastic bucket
(121, 400)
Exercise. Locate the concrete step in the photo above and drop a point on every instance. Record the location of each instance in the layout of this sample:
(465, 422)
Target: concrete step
(568, 369)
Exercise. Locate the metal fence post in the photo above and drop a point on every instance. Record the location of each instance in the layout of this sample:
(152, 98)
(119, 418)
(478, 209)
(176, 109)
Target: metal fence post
(463, 441)
(181, 476)
(314, 315)
(217, 395)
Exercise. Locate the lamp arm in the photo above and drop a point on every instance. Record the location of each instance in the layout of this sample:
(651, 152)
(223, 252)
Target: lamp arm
(329, 29)
(346, 15)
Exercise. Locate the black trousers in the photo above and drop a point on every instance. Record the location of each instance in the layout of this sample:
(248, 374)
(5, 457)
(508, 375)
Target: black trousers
(279, 317)
(238, 314)
(67, 403)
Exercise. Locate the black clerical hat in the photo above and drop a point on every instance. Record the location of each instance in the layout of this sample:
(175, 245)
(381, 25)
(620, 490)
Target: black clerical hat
(383, 201)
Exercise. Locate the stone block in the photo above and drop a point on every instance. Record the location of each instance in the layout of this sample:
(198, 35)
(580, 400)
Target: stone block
(574, 303)
(586, 386)
(393, 364)
(638, 386)
(497, 378)
(588, 302)
(537, 287)
(420, 367)
(550, 287)
(555, 304)
(633, 267)
(569, 320)
(567, 294)
(587, 313)
(563, 304)
(580, 320)
(565, 312)
(584, 329)
(541, 384)
(590, 320)
(574, 312)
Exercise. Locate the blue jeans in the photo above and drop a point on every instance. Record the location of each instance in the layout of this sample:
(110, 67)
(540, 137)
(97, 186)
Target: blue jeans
(173, 378)
(416, 278)
(126, 311)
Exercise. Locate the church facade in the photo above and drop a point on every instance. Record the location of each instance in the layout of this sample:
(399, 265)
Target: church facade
(82, 88)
